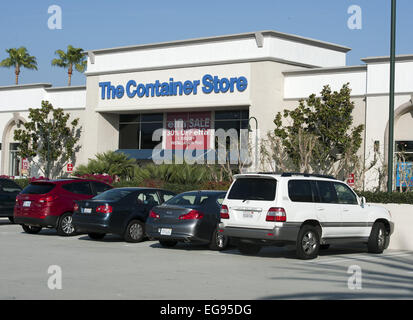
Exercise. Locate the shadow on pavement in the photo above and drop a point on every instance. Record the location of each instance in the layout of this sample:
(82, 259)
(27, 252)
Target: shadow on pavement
(397, 283)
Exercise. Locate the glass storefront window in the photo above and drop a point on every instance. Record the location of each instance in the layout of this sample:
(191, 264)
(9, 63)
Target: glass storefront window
(14, 160)
(237, 119)
(136, 130)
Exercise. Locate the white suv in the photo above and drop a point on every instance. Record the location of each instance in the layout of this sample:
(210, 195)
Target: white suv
(310, 211)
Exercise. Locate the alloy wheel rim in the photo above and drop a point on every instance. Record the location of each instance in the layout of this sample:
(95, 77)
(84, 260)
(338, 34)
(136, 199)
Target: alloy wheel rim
(135, 231)
(67, 225)
(309, 243)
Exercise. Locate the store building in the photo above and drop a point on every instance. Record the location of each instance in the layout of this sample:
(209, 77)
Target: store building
(209, 84)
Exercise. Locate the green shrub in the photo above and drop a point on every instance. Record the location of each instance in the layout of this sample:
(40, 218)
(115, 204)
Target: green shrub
(384, 197)
(22, 182)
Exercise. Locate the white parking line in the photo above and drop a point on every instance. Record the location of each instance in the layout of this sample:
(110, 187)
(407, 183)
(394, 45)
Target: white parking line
(363, 257)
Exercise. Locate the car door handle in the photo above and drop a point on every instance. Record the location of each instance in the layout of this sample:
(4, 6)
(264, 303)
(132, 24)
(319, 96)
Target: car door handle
(346, 210)
(320, 209)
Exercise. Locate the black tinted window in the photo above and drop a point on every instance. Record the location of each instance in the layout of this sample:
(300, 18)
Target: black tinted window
(253, 189)
(300, 191)
(78, 187)
(9, 186)
(100, 187)
(344, 194)
(113, 194)
(38, 188)
(327, 192)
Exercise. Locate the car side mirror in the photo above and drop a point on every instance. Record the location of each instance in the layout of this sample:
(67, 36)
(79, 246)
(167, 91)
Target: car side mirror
(362, 201)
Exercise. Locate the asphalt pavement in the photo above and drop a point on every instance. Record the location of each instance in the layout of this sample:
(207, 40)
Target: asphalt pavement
(34, 267)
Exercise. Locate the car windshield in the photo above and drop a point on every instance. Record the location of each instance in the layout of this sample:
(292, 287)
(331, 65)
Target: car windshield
(114, 194)
(253, 189)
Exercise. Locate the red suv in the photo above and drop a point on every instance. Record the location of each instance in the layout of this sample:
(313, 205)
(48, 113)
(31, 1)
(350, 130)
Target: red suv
(49, 203)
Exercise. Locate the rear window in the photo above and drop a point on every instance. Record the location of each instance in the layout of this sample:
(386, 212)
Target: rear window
(253, 189)
(186, 199)
(38, 188)
(9, 186)
(113, 194)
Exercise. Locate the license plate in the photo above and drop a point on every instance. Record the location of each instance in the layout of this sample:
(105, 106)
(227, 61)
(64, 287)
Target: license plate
(27, 203)
(166, 232)
(247, 215)
(87, 210)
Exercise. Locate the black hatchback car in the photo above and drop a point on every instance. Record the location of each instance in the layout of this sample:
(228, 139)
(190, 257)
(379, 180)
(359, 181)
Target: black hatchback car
(8, 192)
(189, 217)
(121, 211)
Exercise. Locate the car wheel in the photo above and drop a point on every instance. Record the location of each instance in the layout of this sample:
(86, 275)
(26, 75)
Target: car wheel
(96, 236)
(168, 243)
(11, 219)
(134, 231)
(219, 242)
(31, 229)
(378, 238)
(324, 246)
(65, 226)
(308, 243)
(249, 248)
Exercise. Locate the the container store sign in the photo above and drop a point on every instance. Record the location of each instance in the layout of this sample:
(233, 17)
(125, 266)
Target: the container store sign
(188, 130)
(208, 84)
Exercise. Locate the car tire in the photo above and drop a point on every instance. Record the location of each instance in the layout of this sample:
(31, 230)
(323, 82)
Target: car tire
(168, 243)
(218, 242)
(31, 229)
(11, 219)
(135, 231)
(378, 238)
(308, 243)
(96, 236)
(324, 246)
(65, 227)
(248, 248)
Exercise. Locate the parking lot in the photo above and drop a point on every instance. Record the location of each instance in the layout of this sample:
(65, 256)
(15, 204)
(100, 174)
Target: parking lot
(113, 269)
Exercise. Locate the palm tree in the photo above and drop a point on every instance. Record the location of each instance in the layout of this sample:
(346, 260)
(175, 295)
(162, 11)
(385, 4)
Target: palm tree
(19, 58)
(73, 57)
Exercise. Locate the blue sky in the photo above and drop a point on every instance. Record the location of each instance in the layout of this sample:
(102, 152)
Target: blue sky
(95, 24)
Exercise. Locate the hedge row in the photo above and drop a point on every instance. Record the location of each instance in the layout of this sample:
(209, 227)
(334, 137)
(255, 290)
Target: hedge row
(384, 197)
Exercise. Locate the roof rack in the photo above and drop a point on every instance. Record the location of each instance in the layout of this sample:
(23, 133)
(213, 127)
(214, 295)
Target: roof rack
(290, 174)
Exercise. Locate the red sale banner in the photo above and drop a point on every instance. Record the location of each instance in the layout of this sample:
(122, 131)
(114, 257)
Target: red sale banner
(188, 130)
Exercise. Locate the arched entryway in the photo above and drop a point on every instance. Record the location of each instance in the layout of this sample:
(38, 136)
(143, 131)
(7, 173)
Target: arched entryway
(403, 147)
(10, 162)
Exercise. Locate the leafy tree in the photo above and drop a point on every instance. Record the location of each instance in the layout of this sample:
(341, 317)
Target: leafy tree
(112, 163)
(48, 140)
(19, 58)
(73, 57)
(320, 136)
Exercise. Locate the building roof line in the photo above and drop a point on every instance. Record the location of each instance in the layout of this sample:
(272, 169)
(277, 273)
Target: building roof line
(399, 58)
(296, 72)
(252, 35)
(26, 86)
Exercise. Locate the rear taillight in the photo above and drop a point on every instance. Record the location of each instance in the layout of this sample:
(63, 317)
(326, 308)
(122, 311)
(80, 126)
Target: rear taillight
(224, 213)
(104, 209)
(47, 199)
(192, 215)
(76, 207)
(154, 215)
(276, 215)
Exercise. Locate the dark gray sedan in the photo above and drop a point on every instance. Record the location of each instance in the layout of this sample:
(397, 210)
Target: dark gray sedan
(188, 217)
